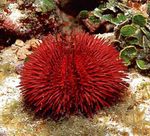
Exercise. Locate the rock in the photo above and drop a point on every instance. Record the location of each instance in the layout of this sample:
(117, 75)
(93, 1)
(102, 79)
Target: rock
(23, 53)
(32, 44)
(19, 43)
(21, 20)
(19, 68)
(22, 50)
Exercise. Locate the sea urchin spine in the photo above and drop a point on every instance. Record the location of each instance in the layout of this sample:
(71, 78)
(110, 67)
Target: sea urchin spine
(76, 75)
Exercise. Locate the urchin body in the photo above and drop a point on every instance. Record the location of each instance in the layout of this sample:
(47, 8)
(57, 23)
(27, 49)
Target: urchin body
(78, 75)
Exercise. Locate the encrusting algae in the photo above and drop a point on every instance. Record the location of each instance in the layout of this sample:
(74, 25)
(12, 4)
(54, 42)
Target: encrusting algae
(126, 118)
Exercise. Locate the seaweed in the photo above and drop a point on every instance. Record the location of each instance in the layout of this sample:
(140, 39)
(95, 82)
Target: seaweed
(131, 30)
(5, 70)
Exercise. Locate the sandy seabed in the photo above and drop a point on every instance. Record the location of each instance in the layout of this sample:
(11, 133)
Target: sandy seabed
(129, 118)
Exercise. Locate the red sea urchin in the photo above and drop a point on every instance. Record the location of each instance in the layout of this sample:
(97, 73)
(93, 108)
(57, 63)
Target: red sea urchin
(78, 75)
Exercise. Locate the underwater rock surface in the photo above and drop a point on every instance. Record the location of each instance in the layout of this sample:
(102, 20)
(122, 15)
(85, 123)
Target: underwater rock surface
(130, 117)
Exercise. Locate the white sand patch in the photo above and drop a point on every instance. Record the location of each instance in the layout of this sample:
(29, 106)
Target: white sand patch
(9, 91)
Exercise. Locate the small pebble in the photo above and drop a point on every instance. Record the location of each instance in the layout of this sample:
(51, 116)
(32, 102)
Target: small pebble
(19, 43)
(19, 68)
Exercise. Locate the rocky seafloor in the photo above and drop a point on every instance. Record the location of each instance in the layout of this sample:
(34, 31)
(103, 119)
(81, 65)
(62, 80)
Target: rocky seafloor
(130, 117)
